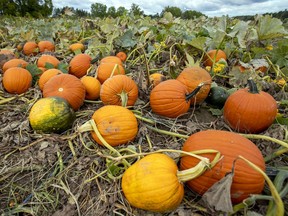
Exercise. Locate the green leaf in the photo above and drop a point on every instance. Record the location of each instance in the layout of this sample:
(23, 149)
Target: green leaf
(63, 67)
(198, 43)
(270, 28)
(49, 65)
(126, 40)
(216, 112)
(240, 31)
(35, 72)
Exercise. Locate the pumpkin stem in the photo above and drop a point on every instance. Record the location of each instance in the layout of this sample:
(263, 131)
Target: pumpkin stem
(194, 92)
(124, 98)
(252, 86)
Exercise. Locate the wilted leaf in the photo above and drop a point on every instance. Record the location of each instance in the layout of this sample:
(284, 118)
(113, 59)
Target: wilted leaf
(126, 40)
(216, 112)
(240, 31)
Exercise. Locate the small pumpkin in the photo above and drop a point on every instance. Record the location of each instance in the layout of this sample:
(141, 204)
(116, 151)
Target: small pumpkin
(47, 59)
(77, 47)
(15, 63)
(51, 115)
(192, 77)
(46, 75)
(246, 180)
(152, 184)
(213, 55)
(17, 80)
(68, 87)
(122, 55)
(92, 86)
(217, 96)
(109, 69)
(45, 46)
(79, 65)
(30, 48)
(119, 90)
(250, 111)
(156, 78)
(171, 98)
(116, 124)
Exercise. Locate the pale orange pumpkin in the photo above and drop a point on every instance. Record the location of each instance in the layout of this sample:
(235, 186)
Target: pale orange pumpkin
(68, 87)
(213, 55)
(109, 69)
(45, 45)
(79, 65)
(46, 75)
(156, 78)
(30, 48)
(44, 59)
(15, 63)
(17, 80)
(77, 46)
(92, 86)
(119, 90)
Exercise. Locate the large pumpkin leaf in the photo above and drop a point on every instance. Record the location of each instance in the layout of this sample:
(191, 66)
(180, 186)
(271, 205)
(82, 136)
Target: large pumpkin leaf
(126, 40)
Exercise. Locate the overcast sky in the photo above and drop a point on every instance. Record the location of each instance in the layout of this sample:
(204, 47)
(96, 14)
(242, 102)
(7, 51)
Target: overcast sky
(208, 7)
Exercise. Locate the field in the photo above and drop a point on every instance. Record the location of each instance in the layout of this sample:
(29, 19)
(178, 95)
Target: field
(70, 174)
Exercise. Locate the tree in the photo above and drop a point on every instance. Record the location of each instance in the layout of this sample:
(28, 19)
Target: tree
(175, 11)
(98, 10)
(34, 8)
(112, 12)
(121, 11)
(191, 14)
(136, 10)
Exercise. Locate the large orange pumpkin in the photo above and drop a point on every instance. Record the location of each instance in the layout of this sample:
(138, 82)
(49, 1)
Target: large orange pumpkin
(249, 110)
(68, 87)
(246, 180)
(30, 48)
(119, 90)
(79, 65)
(46, 75)
(116, 124)
(111, 59)
(15, 63)
(92, 86)
(213, 55)
(171, 98)
(192, 77)
(17, 80)
(45, 45)
(109, 69)
(44, 59)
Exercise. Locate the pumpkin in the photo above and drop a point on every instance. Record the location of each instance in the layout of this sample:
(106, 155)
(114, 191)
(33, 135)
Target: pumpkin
(156, 78)
(77, 46)
(111, 59)
(109, 69)
(246, 180)
(46, 75)
(192, 77)
(46, 46)
(213, 56)
(17, 80)
(116, 124)
(217, 96)
(51, 115)
(119, 90)
(47, 59)
(79, 65)
(15, 63)
(92, 86)
(30, 48)
(152, 184)
(122, 56)
(248, 110)
(68, 87)
(171, 98)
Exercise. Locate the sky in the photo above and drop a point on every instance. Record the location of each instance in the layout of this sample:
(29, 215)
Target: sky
(210, 8)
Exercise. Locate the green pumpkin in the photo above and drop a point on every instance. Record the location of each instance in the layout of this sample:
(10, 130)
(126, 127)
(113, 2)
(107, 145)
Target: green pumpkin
(217, 96)
(51, 115)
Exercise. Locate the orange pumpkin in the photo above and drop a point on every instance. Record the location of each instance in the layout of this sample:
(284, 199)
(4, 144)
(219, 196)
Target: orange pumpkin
(46, 46)
(111, 59)
(17, 80)
(156, 78)
(15, 63)
(76, 46)
(250, 110)
(109, 69)
(92, 86)
(119, 90)
(30, 48)
(68, 87)
(246, 180)
(48, 59)
(79, 65)
(192, 77)
(122, 56)
(46, 75)
(213, 55)
(116, 124)
(171, 98)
